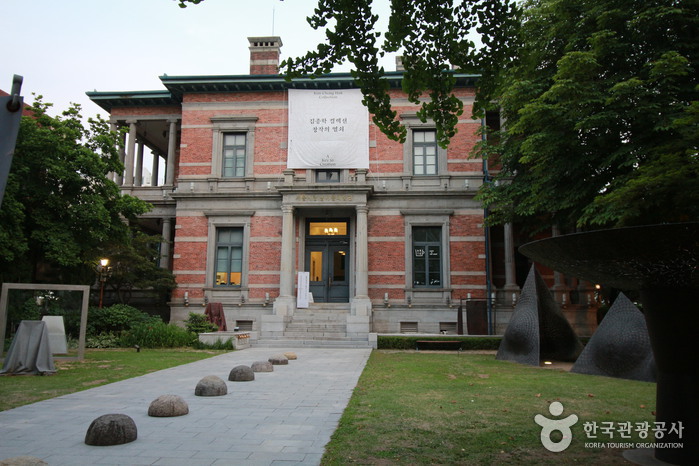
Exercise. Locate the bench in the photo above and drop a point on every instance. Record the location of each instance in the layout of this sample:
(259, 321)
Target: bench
(447, 345)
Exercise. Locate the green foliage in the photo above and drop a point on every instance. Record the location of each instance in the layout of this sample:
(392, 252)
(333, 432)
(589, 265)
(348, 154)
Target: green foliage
(217, 345)
(601, 111)
(134, 264)
(29, 310)
(116, 318)
(183, 3)
(198, 323)
(60, 209)
(157, 335)
(103, 340)
(34, 304)
(409, 342)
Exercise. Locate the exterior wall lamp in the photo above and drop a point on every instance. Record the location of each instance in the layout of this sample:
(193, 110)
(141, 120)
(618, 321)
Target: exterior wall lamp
(104, 271)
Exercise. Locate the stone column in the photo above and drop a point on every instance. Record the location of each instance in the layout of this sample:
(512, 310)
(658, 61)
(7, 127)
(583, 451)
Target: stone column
(559, 289)
(138, 180)
(362, 252)
(171, 154)
(112, 175)
(285, 303)
(361, 304)
(165, 245)
(119, 177)
(130, 154)
(286, 270)
(511, 289)
(156, 169)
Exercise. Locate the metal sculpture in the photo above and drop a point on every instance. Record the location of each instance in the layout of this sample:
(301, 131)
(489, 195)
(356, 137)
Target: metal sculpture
(620, 347)
(538, 329)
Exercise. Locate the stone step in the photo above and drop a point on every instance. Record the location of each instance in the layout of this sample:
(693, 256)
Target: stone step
(319, 317)
(316, 335)
(325, 308)
(302, 327)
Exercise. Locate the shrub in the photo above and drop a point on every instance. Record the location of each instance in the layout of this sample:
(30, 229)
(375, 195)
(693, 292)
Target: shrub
(198, 323)
(103, 340)
(157, 335)
(217, 345)
(116, 318)
(408, 342)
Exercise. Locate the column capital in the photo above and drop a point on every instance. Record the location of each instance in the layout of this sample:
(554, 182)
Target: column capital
(172, 120)
(362, 208)
(131, 121)
(287, 209)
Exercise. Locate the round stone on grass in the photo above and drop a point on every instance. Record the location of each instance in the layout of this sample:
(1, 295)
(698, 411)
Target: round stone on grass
(168, 406)
(262, 366)
(211, 385)
(111, 429)
(279, 359)
(290, 355)
(241, 374)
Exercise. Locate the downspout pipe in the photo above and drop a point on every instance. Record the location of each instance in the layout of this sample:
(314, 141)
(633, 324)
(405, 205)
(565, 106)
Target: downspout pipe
(488, 280)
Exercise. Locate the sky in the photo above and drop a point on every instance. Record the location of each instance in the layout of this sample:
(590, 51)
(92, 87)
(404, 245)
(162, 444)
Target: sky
(64, 48)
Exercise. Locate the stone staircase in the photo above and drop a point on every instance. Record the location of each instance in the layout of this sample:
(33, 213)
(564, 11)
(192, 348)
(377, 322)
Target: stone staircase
(321, 325)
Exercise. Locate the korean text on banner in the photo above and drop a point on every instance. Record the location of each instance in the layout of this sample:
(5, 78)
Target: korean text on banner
(328, 129)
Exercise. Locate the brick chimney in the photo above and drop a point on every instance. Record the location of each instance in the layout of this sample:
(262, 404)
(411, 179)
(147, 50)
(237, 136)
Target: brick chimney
(264, 54)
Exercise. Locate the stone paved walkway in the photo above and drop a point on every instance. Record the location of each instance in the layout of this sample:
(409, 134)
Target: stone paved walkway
(282, 417)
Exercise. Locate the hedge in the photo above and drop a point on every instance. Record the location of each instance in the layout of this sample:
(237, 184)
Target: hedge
(408, 342)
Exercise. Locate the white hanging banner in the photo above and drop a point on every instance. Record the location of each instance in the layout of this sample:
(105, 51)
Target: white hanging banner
(328, 129)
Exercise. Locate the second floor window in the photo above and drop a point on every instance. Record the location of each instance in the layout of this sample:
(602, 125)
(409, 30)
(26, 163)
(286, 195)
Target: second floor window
(234, 153)
(425, 152)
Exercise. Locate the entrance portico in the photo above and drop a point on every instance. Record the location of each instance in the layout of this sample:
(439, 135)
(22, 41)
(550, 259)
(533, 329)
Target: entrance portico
(339, 260)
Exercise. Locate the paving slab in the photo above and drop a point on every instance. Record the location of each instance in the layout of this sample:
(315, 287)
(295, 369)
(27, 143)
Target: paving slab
(282, 417)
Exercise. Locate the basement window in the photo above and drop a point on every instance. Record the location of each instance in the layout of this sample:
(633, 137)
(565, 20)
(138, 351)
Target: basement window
(408, 327)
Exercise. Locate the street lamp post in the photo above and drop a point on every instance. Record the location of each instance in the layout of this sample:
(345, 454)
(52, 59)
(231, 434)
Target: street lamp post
(103, 273)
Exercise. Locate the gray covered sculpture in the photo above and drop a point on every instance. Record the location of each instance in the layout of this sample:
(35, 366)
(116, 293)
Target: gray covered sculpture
(30, 350)
(620, 347)
(538, 329)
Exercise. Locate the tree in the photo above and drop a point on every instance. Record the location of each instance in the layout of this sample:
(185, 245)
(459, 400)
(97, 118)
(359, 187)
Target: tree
(432, 36)
(135, 266)
(601, 116)
(60, 209)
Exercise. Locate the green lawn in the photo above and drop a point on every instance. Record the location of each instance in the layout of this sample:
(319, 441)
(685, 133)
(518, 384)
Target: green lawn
(439, 408)
(98, 368)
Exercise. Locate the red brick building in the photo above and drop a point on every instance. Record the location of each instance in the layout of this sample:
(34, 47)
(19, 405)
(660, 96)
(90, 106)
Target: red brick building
(392, 238)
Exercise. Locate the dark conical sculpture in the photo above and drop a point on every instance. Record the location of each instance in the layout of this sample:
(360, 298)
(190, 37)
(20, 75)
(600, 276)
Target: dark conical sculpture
(620, 347)
(538, 329)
